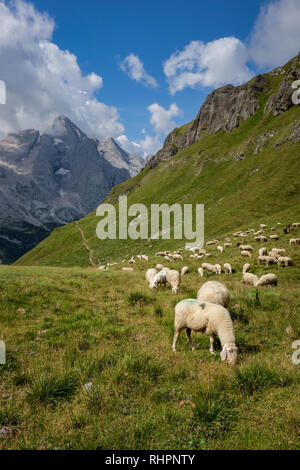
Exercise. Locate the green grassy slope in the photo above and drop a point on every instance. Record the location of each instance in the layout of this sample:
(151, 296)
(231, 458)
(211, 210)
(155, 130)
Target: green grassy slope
(79, 325)
(263, 187)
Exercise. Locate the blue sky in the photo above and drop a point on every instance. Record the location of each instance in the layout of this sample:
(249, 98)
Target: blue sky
(205, 44)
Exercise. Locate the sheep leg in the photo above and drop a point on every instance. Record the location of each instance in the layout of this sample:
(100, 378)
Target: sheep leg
(211, 349)
(189, 337)
(176, 334)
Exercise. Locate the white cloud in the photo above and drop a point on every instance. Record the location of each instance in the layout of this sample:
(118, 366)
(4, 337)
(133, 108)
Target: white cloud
(208, 64)
(135, 69)
(162, 123)
(161, 118)
(44, 81)
(144, 148)
(276, 34)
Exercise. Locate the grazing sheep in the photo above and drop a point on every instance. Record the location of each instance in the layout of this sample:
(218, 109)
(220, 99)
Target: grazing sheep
(267, 280)
(258, 232)
(220, 249)
(296, 224)
(159, 279)
(214, 292)
(173, 278)
(103, 268)
(227, 268)
(150, 274)
(274, 237)
(266, 259)
(273, 229)
(249, 278)
(287, 229)
(246, 253)
(127, 269)
(167, 258)
(145, 257)
(211, 319)
(274, 254)
(262, 251)
(245, 247)
(218, 268)
(212, 242)
(261, 238)
(132, 260)
(209, 267)
(184, 270)
(200, 271)
(246, 267)
(294, 241)
(278, 250)
(177, 256)
(284, 260)
(159, 267)
(207, 255)
(227, 245)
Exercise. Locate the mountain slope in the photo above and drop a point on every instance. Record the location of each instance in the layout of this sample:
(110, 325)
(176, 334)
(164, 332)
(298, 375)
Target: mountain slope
(245, 173)
(51, 179)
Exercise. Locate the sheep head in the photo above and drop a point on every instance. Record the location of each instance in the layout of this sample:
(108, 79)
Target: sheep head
(229, 353)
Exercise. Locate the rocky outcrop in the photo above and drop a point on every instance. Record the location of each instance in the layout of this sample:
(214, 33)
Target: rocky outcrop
(48, 180)
(281, 101)
(227, 107)
(118, 157)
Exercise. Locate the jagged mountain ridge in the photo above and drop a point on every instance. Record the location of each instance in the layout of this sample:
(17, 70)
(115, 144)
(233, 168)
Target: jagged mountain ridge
(50, 179)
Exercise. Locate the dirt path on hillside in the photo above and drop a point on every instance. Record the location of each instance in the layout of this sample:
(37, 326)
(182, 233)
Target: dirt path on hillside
(86, 246)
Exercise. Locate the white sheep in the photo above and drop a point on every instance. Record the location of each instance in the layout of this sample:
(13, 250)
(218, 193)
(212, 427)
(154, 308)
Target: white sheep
(246, 267)
(132, 260)
(167, 258)
(267, 280)
(246, 253)
(177, 256)
(249, 278)
(173, 278)
(212, 242)
(274, 237)
(150, 274)
(200, 271)
(209, 267)
(262, 251)
(159, 267)
(145, 257)
(127, 269)
(218, 268)
(294, 241)
(227, 268)
(220, 249)
(296, 224)
(245, 247)
(184, 270)
(211, 319)
(214, 292)
(227, 245)
(284, 260)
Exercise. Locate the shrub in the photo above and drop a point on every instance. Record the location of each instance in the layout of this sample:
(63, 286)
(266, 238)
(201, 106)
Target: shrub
(51, 388)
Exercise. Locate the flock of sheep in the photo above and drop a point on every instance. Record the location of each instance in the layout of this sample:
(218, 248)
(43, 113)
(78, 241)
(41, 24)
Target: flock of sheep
(208, 313)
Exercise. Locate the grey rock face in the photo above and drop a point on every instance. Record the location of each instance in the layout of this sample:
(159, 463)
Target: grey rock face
(281, 101)
(49, 180)
(226, 108)
(119, 158)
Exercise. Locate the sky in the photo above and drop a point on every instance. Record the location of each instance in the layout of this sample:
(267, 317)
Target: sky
(133, 70)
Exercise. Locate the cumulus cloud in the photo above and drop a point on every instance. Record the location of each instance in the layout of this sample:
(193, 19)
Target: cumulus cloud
(134, 68)
(143, 147)
(161, 118)
(44, 81)
(162, 123)
(276, 34)
(208, 64)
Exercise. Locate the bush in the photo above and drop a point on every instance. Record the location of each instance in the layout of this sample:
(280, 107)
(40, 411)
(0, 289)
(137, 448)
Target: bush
(138, 298)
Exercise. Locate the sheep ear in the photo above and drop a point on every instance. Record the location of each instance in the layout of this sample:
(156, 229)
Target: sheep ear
(223, 353)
